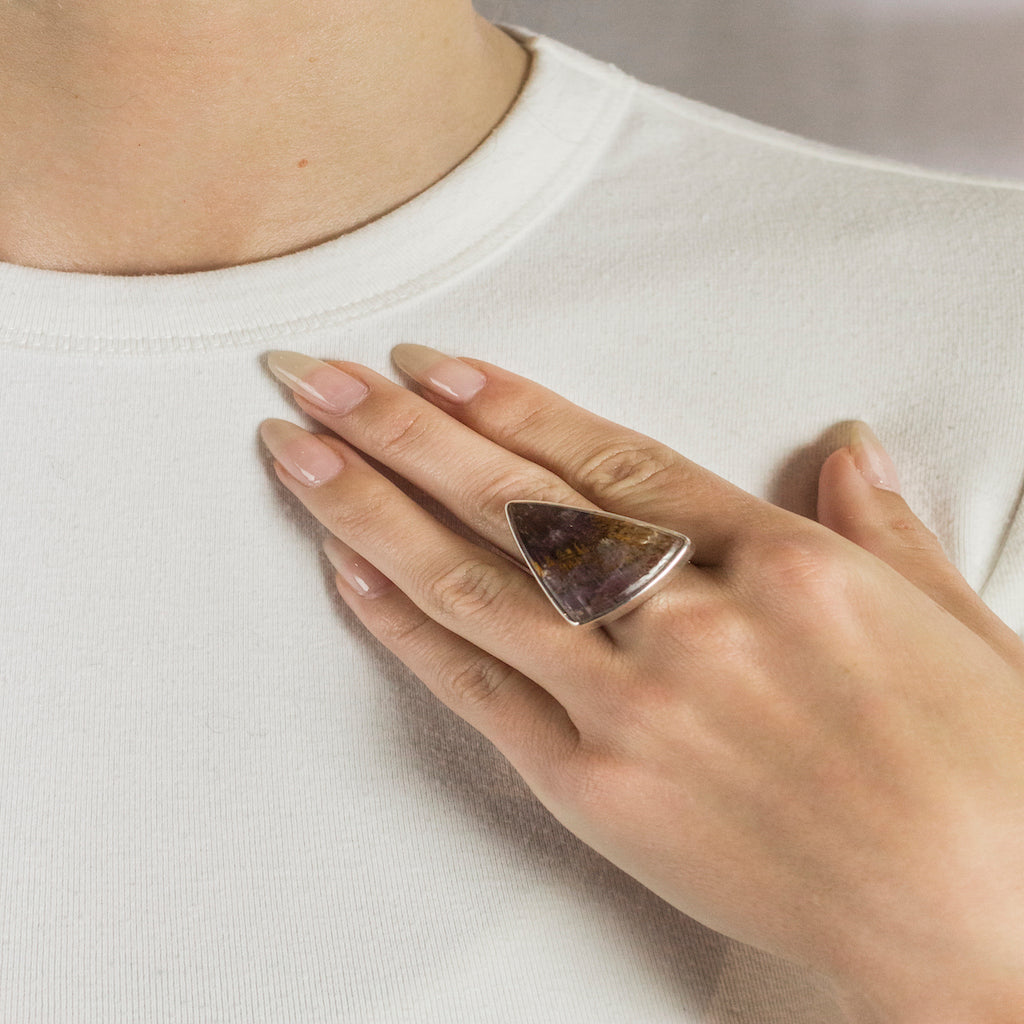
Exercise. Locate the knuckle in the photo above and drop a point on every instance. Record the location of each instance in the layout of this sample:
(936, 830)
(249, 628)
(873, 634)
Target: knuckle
(522, 415)
(516, 484)
(721, 629)
(352, 519)
(904, 530)
(476, 683)
(396, 628)
(802, 562)
(626, 464)
(804, 581)
(400, 431)
(471, 589)
(912, 535)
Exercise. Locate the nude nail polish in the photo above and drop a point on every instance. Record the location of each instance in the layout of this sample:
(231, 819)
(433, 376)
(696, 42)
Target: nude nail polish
(361, 577)
(305, 458)
(450, 378)
(872, 459)
(324, 385)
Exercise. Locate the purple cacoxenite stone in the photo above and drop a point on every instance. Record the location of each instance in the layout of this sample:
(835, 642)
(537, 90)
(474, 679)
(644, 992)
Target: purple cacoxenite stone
(590, 563)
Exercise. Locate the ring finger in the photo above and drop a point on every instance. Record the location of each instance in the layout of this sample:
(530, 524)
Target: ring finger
(474, 593)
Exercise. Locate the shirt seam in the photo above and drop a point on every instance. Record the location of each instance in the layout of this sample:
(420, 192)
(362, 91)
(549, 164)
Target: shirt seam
(541, 205)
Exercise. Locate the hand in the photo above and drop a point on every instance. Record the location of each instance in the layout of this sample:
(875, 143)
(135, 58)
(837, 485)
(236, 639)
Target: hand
(810, 740)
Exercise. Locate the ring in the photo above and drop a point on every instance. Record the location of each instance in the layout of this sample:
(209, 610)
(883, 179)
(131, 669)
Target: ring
(593, 566)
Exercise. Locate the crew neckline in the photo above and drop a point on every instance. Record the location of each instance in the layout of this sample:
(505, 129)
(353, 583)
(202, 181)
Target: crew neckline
(566, 113)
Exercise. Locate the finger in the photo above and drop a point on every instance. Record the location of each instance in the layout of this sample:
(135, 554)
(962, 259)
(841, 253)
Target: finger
(880, 521)
(530, 728)
(469, 474)
(475, 593)
(618, 469)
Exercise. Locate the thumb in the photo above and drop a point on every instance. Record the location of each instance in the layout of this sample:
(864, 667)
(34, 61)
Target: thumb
(858, 498)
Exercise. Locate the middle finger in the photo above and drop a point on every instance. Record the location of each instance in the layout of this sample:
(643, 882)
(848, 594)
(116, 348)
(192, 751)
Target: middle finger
(469, 474)
(471, 591)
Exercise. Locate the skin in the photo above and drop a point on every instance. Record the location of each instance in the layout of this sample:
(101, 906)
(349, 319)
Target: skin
(179, 136)
(810, 740)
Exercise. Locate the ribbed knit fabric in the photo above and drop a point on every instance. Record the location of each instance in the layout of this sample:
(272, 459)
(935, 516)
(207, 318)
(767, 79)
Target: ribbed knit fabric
(220, 801)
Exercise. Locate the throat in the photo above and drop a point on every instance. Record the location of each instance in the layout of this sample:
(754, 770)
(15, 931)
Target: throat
(213, 167)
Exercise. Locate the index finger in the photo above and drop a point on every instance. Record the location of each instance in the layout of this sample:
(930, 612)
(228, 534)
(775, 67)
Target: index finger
(618, 469)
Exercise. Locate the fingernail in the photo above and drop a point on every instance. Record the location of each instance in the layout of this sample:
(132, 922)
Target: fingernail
(872, 459)
(324, 385)
(448, 377)
(307, 459)
(361, 577)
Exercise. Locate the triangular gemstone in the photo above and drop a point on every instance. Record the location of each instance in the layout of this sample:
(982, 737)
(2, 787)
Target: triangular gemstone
(590, 564)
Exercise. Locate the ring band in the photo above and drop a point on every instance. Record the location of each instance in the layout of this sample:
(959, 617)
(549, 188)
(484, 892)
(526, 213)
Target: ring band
(593, 566)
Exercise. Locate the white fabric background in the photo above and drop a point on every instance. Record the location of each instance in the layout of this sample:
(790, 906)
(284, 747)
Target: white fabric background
(220, 801)
(932, 82)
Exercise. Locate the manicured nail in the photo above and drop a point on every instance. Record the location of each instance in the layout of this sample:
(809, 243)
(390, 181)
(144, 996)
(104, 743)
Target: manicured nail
(307, 459)
(361, 577)
(448, 377)
(872, 459)
(324, 385)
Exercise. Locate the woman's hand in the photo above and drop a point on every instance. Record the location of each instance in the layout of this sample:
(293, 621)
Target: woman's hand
(811, 740)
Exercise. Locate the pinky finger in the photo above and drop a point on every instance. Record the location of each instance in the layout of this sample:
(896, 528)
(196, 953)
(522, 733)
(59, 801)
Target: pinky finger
(530, 728)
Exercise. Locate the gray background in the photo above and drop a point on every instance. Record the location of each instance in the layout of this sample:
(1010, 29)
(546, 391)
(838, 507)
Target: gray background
(938, 83)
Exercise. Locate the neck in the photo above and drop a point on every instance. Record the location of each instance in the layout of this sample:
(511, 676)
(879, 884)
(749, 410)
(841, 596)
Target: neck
(176, 136)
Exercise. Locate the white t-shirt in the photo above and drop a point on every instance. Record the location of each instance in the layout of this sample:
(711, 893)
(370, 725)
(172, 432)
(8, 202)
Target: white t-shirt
(220, 800)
